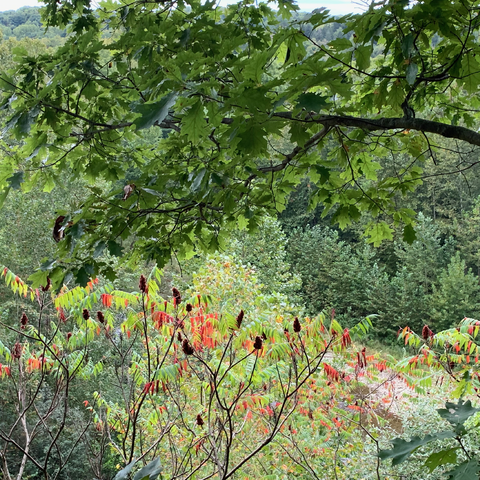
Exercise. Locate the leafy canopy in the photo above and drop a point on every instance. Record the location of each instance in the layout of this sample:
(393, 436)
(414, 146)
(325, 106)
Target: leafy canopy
(204, 118)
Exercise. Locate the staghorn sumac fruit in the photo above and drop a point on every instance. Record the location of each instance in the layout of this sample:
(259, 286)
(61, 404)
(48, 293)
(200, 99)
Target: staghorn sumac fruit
(17, 351)
(346, 340)
(142, 284)
(296, 325)
(177, 298)
(426, 332)
(61, 314)
(240, 318)
(199, 420)
(23, 320)
(257, 345)
(187, 348)
(85, 314)
(100, 317)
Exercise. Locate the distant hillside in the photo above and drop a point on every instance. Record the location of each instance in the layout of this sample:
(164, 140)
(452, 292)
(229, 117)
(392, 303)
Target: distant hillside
(26, 23)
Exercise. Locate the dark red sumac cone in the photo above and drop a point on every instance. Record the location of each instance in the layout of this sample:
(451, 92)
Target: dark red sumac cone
(426, 332)
(240, 318)
(189, 307)
(200, 421)
(187, 348)
(296, 325)
(61, 314)
(176, 296)
(24, 320)
(100, 317)
(142, 284)
(17, 351)
(257, 345)
(85, 314)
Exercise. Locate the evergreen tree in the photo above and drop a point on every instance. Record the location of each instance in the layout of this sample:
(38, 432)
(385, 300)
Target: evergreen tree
(334, 274)
(266, 251)
(457, 295)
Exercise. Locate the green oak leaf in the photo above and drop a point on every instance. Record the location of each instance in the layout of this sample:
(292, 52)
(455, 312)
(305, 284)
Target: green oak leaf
(154, 113)
(379, 232)
(198, 179)
(443, 457)
(76, 230)
(402, 449)
(150, 471)
(411, 73)
(409, 234)
(396, 95)
(457, 413)
(363, 54)
(194, 123)
(47, 265)
(16, 180)
(125, 472)
(99, 248)
(38, 279)
(253, 141)
(114, 248)
(340, 44)
(82, 277)
(465, 471)
(312, 102)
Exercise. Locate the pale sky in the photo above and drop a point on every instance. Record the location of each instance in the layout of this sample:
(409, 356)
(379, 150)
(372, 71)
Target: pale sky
(336, 7)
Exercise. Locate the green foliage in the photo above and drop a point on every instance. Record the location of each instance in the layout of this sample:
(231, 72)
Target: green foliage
(457, 295)
(265, 250)
(469, 236)
(467, 469)
(402, 449)
(26, 23)
(124, 472)
(430, 283)
(151, 471)
(223, 98)
(334, 274)
(234, 285)
(457, 414)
